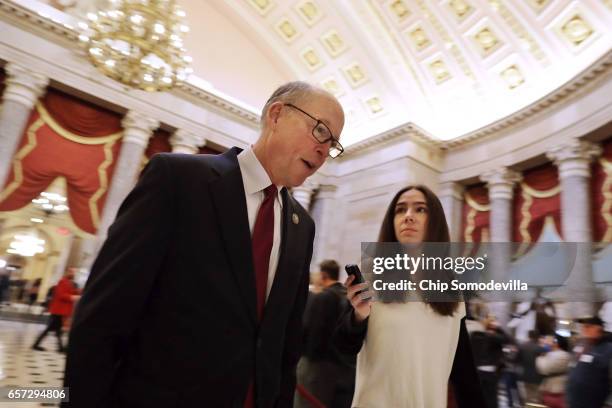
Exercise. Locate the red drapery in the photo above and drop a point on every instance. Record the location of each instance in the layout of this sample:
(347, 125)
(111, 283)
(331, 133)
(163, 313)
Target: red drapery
(61, 140)
(158, 143)
(601, 192)
(475, 215)
(208, 150)
(536, 198)
(80, 117)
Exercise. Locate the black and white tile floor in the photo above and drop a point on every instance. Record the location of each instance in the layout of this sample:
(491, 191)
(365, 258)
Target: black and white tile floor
(20, 366)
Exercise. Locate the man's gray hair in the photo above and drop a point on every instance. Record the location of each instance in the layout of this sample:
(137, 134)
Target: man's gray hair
(291, 92)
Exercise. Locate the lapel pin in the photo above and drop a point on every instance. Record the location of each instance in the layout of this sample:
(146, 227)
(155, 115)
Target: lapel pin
(295, 218)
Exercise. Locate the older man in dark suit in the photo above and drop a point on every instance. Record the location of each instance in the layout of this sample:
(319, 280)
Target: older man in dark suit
(197, 295)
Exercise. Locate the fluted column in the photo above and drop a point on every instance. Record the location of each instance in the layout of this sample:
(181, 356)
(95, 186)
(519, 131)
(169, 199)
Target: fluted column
(451, 197)
(303, 194)
(573, 160)
(184, 141)
(23, 88)
(500, 183)
(137, 130)
(323, 210)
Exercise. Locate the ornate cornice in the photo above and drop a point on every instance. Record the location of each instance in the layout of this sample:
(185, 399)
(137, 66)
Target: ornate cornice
(590, 75)
(406, 131)
(66, 34)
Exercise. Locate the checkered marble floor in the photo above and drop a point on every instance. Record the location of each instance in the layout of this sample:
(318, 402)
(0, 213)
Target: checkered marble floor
(21, 366)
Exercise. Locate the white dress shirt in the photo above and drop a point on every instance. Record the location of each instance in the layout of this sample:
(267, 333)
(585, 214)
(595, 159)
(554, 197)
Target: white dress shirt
(255, 180)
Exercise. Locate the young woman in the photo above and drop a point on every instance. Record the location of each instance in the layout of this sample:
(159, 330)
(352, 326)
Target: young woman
(409, 351)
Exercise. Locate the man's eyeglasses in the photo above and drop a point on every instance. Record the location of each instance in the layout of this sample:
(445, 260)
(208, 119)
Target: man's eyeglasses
(322, 134)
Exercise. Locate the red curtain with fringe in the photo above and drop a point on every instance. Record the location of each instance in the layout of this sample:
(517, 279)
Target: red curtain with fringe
(601, 192)
(70, 138)
(531, 211)
(475, 218)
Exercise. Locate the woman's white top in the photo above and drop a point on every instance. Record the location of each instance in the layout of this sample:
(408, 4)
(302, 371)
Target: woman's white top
(407, 356)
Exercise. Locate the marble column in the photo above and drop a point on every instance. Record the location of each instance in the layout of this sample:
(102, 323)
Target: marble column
(184, 141)
(451, 197)
(500, 182)
(23, 88)
(137, 129)
(303, 194)
(573, 159)
(323, 211)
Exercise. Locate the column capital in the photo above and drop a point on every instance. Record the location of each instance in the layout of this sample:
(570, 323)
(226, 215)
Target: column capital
(137, 128)
(303, 194)
(574, 158)
(451, 189)
(23, 85)
(501, 182)
(327, 191)
(184, 141)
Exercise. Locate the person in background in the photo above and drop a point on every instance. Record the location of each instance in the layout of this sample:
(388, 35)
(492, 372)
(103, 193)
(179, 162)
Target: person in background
(553, 364)
(529, 377)
(408, 352)
(489, 358)
(33, 292)
(64, 296)
(588, 383)
(325, 373)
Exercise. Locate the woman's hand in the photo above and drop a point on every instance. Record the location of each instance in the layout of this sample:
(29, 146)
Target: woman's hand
(361, 302)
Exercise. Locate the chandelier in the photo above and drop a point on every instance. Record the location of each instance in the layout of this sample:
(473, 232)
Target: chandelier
(49, 203)
(138, 43)
(26, 245)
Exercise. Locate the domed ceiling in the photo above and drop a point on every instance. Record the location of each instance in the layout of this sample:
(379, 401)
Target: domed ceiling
(449, 67)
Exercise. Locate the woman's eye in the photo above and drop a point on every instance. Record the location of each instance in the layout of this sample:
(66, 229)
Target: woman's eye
(422, 209)
(399, 210)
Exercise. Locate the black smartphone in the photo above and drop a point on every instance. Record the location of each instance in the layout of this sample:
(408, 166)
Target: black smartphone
(353, 269)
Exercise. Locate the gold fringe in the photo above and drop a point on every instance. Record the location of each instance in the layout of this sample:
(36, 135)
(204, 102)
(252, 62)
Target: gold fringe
(21, 154)
(469, 229)
(475, 205)
(103, 177)
(606, 209)
(541, 193)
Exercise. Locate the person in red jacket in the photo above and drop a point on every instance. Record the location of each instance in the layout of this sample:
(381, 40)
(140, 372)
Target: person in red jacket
(64, 296)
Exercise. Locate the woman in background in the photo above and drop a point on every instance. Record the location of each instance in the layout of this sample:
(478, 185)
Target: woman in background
(409, 351)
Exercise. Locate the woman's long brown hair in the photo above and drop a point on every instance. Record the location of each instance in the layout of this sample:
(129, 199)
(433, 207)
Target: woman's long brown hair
(437, 231)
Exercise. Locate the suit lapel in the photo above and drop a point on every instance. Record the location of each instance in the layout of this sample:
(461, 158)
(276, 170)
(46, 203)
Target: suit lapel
(230, 204)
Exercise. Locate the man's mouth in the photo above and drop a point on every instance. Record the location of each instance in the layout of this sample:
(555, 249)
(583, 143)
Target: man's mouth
(308, 164)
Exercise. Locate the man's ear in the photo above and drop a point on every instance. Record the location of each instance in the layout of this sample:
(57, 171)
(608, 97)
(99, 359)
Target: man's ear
(273, 113)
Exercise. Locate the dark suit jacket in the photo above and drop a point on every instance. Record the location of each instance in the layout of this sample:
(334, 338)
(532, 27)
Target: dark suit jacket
(168, 316)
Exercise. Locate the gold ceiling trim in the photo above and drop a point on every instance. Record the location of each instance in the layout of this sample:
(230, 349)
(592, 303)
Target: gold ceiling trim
(309, 11)
(588, 77)
(454, 49)
(520, 31)
(398, 46)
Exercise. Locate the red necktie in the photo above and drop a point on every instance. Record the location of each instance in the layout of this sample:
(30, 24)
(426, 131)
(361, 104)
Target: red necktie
(263, 235)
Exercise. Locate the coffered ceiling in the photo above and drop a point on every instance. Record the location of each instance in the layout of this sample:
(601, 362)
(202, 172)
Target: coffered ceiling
(448, 66)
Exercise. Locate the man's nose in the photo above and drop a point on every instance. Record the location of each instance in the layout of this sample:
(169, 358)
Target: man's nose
(322, 149)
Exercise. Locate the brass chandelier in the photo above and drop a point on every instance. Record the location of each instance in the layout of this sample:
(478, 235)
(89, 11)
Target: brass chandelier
(138, 43)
